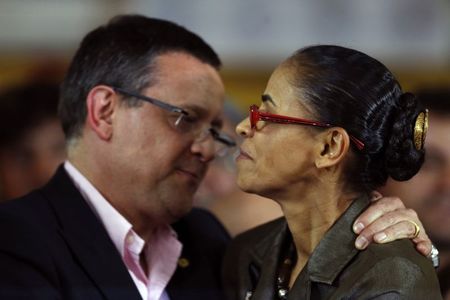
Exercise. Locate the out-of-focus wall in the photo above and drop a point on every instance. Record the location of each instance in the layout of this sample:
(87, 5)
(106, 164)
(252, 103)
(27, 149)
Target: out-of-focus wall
(38, 37)
(262, 32)
(412, 37)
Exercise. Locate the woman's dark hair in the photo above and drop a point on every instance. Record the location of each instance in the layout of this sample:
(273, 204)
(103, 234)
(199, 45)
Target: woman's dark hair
(121, 54)
(352, 90)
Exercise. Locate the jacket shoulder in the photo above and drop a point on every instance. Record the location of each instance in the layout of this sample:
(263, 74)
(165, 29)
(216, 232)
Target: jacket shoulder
(32, 209)
(395, 269)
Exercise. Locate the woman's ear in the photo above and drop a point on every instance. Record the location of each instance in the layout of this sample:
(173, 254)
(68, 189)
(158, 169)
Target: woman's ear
(101, 103)
(334, 145)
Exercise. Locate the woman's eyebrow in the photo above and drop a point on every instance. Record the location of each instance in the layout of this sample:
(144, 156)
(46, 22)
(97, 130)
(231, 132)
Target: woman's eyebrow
(267, 98)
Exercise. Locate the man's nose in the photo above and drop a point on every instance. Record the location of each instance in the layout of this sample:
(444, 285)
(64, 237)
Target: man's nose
(204, 149)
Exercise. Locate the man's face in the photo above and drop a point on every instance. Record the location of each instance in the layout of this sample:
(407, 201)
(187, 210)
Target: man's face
(428, 193)
(31, 161)
(160, 168)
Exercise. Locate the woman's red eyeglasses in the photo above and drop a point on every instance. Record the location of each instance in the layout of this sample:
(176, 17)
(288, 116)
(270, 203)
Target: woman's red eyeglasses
(256, 115)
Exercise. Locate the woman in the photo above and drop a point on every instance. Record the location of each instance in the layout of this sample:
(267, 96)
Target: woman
(361, 129)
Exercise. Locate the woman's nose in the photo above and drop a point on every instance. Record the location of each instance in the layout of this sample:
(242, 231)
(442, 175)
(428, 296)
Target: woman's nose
(244, 129)
(204, 149)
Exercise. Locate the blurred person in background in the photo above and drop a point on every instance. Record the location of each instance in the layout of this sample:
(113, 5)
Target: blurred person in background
(31, 138)
(428, 192)
(237, 211)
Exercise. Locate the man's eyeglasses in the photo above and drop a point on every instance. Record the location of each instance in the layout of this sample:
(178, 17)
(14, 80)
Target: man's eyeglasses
(257, 115)
(184, 123)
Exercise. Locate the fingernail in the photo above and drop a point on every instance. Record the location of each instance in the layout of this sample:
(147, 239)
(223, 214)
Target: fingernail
(361, 242)
(358, 227)
(379, 237)
(376, 195)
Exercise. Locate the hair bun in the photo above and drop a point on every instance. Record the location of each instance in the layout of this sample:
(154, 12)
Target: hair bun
(403, 158)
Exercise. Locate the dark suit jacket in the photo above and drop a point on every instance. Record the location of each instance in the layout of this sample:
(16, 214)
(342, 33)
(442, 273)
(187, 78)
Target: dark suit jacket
(335, 269)
(54, 247)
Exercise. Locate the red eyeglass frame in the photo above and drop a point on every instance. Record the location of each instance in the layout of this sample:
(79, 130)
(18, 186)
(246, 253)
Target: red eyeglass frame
(256, 115)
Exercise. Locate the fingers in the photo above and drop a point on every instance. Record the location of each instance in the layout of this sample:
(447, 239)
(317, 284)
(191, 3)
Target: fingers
(394, 225)
(378, 207)
(390, 226)
(398, 230)
(424, 247)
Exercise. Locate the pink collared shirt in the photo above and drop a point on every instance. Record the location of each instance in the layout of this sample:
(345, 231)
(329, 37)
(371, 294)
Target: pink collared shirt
(161, 252)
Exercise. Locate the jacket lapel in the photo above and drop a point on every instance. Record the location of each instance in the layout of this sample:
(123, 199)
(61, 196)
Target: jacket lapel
(264, 257)
(88, 240)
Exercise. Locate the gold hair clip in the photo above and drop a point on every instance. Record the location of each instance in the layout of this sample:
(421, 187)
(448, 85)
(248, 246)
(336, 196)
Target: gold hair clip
(420, 129)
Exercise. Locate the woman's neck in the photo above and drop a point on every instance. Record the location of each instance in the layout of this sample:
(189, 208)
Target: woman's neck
(309, 214)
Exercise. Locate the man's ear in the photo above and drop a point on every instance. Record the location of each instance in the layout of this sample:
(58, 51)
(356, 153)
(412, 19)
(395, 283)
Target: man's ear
(335, 143)
(101, 103)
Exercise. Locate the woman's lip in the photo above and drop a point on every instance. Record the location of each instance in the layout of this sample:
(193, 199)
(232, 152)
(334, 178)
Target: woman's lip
(243, 155)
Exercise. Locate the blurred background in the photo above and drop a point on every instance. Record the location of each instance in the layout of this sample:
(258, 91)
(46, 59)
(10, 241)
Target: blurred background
(412, 37)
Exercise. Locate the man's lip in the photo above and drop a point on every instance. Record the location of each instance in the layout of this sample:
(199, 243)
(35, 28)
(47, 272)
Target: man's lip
(194, 174)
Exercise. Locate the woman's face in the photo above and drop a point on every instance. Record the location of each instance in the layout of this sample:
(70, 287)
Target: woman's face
(277, 158)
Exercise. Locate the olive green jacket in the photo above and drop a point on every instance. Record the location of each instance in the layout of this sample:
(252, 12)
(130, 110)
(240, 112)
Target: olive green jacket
(335, 269)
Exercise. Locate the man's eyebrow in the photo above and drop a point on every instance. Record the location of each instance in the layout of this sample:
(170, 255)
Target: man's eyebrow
(199, 110)
(267, 98)
(217, 123)
(202, 112)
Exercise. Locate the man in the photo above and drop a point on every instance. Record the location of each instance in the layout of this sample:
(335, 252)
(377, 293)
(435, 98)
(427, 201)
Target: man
(31, 139)
(141, 109)
(429, 191)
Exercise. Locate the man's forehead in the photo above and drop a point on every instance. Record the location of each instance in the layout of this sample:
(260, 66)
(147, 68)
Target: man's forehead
(177, 68)
(185, 81)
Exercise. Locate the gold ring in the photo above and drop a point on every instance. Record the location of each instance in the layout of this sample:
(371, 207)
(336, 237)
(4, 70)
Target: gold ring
(416, 229)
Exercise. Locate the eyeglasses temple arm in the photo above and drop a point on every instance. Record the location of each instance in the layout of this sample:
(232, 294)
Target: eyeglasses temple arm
(153, 101)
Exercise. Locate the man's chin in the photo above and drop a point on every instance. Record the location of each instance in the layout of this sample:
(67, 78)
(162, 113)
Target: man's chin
(176, 213)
